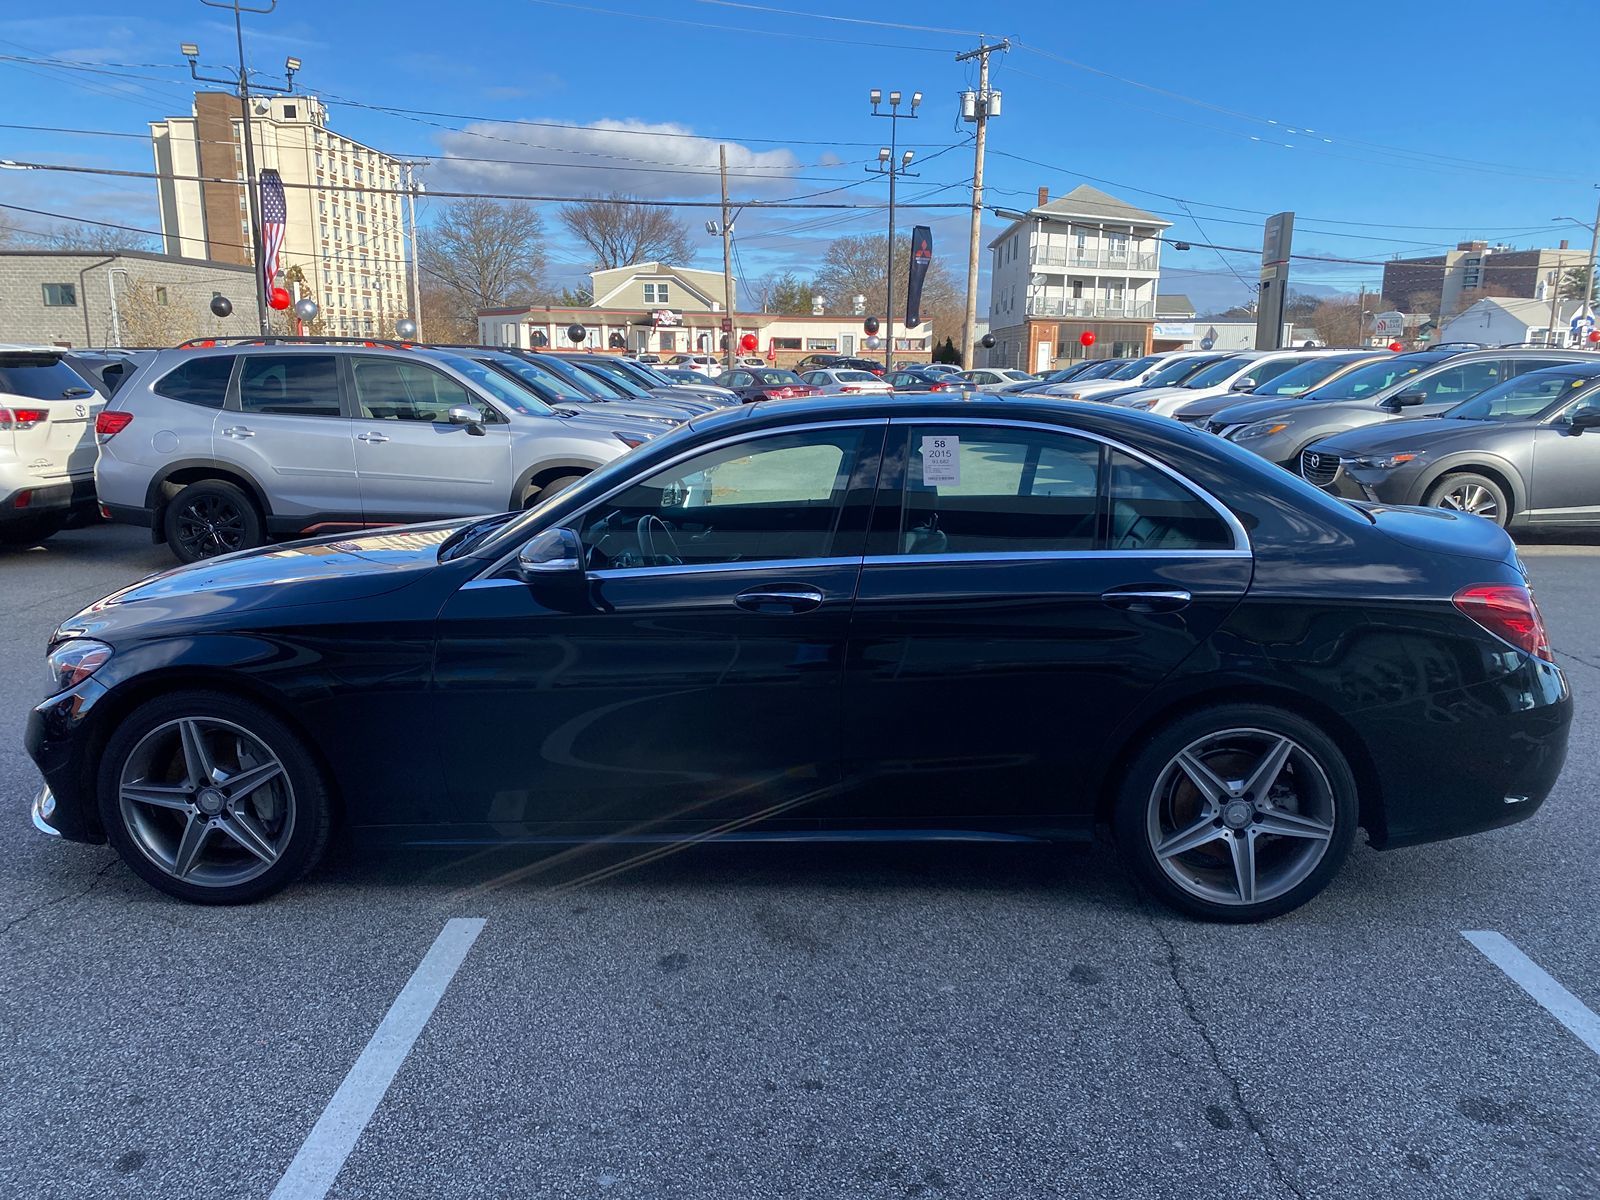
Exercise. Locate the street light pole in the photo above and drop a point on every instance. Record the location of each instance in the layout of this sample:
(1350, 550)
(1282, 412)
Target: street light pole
(242, 82)
(416, 281)
(888, 163)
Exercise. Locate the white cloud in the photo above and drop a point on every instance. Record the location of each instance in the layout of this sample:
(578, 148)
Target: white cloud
(637, 157)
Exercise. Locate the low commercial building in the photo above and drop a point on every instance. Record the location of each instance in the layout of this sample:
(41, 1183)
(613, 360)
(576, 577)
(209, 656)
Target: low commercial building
(783, 340)
(1174, 323)
(118, 298)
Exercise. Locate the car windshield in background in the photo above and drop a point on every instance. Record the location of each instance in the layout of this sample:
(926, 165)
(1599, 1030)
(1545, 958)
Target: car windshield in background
(548, 381)
(1175, 372)
(1301, 378)
(1527, 396)
(1369, 380)
(776, 377)
(1136, 367)
(1216, 373)
(615, 376)
(515, 397)
(854, 376)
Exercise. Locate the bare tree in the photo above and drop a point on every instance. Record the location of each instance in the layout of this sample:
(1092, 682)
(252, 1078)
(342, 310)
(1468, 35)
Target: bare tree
(82, 235)
(480, 254)
(858, 266)
(621, 232)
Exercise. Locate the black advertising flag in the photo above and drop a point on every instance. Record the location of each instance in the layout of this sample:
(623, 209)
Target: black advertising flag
(921, 259)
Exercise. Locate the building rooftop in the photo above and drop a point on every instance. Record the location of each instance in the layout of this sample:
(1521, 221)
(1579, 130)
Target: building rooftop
(1086, 201)
(1174, 304)
(149, 255)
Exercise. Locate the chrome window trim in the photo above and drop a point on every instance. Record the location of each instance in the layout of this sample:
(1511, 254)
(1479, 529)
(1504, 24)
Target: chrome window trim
(1241, 540)
(767, 564)
(1020, 556)
(704, 447)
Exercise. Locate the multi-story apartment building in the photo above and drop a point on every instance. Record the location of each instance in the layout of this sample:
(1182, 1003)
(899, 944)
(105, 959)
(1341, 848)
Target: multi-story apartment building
(345, 204)
(1444, 285)
(1087, 262)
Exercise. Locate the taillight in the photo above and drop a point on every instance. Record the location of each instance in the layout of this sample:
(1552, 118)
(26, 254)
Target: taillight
(109, 423)
(22, 418)
(1508, 611)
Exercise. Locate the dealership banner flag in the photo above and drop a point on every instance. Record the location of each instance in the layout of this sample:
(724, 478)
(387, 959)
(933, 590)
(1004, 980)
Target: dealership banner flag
(921, 259)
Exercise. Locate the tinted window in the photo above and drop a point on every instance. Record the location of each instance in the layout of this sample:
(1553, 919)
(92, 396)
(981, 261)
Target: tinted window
(290, 385)
(1460, 382)
(1519, 399)
(1136, 367)
(1217, 373)
(547, 383)
(1152, 511)
(1177, 371)
(40, 377)
(773, 498)
(1268, 371)
(976, 490)
(1365, 381)
(510, 393)
(392, 389)
(1302, 377)
(202, 381)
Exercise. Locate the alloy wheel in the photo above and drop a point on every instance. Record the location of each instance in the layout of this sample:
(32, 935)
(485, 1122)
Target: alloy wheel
(207, 801)
(1473, 498)
(1241, 816)
(210, 525)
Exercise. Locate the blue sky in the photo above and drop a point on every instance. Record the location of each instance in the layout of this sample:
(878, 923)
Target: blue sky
(1402, 131)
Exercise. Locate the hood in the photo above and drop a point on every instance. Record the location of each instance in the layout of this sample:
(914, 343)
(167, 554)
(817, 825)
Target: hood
(332, 569)
(632, 410)
(609, 421)
(1441, 531)
(1405, 433)
(1247, 410)
(1209, 404)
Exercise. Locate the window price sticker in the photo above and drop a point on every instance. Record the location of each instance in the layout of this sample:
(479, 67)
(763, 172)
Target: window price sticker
(941, 460)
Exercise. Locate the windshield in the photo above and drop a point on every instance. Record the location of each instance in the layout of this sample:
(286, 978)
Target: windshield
(1137, 367)
(854, 376)
(1175, 372)
(511, 393)
(778, 377)
(1217, 373)
(614, 375)
(592, 386)
(547, 382)
(1302, 377)
(1526, 396)
(1371, 379)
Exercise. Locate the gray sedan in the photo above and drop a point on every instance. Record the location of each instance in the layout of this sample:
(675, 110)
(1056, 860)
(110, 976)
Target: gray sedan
(1526, 452)
(1281, 430)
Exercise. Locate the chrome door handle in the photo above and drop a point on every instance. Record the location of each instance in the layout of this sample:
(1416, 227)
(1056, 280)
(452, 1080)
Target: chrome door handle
(779, 599)
(238, 431)
(1147, 600)
(372, 437)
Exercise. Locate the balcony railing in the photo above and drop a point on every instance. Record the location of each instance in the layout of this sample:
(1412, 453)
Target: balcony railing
(1103, 260)
(1127, 310)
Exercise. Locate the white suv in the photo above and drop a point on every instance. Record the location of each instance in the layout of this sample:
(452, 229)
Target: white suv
(701, 364)
(47, 446)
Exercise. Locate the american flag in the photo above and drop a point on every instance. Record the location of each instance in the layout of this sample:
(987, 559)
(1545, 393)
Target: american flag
(274, 215)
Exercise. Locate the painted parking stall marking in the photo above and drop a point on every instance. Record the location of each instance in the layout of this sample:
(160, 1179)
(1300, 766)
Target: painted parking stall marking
(330, 1141)
(1528, 975)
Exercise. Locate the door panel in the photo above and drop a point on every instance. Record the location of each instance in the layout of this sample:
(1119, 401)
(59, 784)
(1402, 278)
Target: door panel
(285, 426)
(1564, 484)
(411, 461)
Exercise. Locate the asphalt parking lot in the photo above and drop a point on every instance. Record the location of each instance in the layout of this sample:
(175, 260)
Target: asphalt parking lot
(860, 1021)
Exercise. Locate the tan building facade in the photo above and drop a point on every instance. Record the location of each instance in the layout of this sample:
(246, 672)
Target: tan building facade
(345, 230)
(654, 285)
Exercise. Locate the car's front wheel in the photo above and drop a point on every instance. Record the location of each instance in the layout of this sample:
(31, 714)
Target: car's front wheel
(1237, 812)
(209, 518)
(1466, 491)
(212, 799)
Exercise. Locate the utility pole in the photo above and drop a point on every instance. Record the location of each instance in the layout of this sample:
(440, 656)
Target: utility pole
(893, 167)
(242, 81)
(416, 280)
(1594, 245)
(981, 112)
(727, 258)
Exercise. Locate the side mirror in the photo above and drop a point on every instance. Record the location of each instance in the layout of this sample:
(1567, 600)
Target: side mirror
(551, 555)
(1242, 385)
(1585, 418)
(465, 414)
(1405, 400)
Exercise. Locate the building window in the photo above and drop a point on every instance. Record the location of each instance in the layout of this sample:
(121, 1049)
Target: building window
(655, 293)
(290, 112)
(822, 343)
(161, 295)
(60, 295)
(779, 343)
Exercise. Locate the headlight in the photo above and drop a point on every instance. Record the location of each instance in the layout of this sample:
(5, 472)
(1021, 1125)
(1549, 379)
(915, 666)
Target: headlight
(631, 441)
(1387, 462)
(1260, 429)
(74, 661)
(1143, 405)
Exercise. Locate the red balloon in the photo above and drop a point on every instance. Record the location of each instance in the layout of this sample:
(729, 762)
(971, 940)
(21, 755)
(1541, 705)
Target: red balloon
(1086, 338)
(1397, 346)
(748, 343)
(1594, 335)
(279, 298)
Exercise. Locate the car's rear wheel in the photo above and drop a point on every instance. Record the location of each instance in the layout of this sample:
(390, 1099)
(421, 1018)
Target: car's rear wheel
(212, 517)
(31, 530)
(1466, 491)
(212, 799)
(1237, 812)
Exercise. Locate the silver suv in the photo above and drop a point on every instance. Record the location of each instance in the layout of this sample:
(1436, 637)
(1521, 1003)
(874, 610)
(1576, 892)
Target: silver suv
(47, 413)
(220, 447)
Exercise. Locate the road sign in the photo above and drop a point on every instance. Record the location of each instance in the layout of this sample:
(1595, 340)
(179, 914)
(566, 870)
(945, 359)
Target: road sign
(727, 324)
(1389, 324)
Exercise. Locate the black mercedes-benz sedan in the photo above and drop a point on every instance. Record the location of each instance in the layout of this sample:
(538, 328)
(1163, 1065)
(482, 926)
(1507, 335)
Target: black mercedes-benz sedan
(912, 616)
(1524, 453)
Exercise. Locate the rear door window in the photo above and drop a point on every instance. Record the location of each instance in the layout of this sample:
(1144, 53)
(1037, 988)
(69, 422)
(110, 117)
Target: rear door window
(202, 381)
(41, 377)
(290, 385)
(1459, 382)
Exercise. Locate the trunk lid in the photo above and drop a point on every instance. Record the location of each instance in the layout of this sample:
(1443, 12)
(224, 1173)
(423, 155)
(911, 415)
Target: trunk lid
(1441, 531)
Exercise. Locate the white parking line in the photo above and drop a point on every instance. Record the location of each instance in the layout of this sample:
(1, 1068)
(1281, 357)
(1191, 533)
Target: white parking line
(1528, 975)
(330, 1141)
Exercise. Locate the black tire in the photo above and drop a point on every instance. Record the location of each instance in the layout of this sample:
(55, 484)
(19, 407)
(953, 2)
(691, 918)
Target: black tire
(1319, 767)
(209, 518)
(31, 530)
(1496, 505)
(559, 484)
(309, 800)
